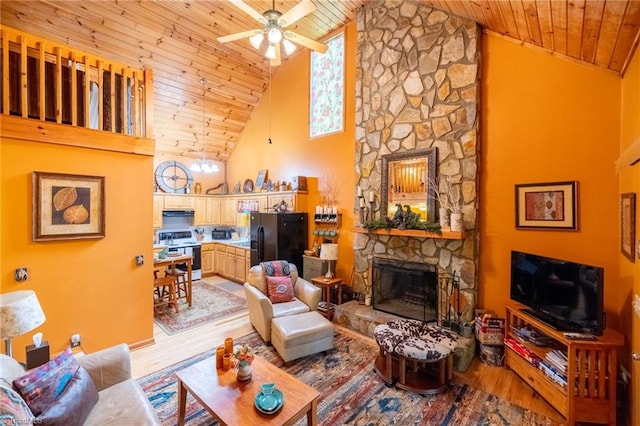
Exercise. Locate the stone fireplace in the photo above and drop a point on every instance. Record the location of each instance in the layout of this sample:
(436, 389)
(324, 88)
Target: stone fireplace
(406, 289)
(417, 87)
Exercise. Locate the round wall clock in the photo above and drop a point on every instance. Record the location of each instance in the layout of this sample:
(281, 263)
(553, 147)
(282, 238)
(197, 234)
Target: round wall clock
(173, 176)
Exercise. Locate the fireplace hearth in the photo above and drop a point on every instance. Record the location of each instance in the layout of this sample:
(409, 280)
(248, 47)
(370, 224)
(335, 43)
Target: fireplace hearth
(406, 289)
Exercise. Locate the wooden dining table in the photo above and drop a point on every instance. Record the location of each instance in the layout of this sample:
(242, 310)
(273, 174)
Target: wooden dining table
(171, 262)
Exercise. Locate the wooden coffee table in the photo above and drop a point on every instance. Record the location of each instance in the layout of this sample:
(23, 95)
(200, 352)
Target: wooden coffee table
(232, 403)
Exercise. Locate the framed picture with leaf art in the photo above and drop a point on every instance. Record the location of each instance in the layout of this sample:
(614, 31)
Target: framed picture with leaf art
(628, 225)
(67, 207)
(550, 205)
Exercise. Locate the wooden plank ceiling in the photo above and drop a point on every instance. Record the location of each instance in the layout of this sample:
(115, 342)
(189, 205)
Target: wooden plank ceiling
(177, 39)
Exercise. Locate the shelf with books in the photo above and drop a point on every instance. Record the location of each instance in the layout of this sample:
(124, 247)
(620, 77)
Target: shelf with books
(581, 392)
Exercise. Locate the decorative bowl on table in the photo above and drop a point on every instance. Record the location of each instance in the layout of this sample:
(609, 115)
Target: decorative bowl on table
(269, 400)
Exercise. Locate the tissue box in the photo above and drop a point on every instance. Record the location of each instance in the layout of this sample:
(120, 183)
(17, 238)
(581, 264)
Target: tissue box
(299, 183)
(36, 356)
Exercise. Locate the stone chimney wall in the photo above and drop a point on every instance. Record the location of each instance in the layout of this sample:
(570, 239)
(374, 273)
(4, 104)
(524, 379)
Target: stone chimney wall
(417, 87)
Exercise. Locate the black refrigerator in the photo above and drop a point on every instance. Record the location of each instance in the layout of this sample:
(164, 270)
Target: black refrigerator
(278, 236)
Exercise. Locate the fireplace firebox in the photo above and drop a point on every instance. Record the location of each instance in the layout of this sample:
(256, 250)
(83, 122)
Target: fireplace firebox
(406, 289)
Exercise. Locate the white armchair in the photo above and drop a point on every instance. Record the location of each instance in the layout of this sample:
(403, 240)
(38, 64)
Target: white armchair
(262, 311)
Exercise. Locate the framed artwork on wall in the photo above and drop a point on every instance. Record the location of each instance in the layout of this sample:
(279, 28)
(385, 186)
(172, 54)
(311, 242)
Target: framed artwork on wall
(67, 207)
(550, 205)
(628, 225)
(261, 179)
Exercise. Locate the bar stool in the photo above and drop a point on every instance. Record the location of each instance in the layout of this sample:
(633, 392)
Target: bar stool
(182, 288)
(164, 292)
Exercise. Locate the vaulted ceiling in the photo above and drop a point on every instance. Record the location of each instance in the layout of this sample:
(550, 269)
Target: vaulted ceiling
(177, 39)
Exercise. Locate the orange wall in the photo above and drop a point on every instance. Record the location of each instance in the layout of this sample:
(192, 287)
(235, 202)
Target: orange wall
(630, 272)
(545, 120)
(91, 287)
(292, 152)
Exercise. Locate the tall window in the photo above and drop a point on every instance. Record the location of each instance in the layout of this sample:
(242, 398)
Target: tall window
(327, 89)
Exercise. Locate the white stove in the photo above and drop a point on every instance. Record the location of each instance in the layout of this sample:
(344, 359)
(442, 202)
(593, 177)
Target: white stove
(182, 241)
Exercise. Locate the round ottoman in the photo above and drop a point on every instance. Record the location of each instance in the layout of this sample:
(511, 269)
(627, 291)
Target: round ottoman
(418, 355)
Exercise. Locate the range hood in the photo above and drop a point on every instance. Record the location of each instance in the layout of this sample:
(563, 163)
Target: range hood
(178, 213)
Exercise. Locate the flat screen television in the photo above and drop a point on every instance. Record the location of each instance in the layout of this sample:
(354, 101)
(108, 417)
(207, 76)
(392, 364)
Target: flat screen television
(566, 295)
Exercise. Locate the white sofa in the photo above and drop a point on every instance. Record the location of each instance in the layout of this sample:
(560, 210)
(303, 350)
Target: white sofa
(121, 400)
(262, 311)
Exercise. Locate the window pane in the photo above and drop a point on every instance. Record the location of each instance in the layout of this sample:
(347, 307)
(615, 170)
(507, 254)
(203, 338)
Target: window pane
(327, 89)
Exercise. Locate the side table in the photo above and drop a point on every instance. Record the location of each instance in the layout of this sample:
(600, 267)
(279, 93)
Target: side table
(327, 285)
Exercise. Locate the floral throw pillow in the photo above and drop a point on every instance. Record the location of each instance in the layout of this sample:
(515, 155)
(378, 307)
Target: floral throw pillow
(280, 289)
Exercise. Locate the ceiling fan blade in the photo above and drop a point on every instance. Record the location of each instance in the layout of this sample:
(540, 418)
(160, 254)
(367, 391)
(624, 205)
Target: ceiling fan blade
(298, 11)
(248, 10)
(238, 36)
(306, 41)
(278, 59)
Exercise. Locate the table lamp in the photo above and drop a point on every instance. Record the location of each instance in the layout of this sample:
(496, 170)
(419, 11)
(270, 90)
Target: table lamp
(329, 252)
(20, 312)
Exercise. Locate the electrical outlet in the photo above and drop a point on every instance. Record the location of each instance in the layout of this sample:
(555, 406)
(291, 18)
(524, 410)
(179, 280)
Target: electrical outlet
(75, 340)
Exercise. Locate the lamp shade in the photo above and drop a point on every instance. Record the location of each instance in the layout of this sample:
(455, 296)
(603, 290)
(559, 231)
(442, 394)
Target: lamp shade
(20, 312)
(329, 251)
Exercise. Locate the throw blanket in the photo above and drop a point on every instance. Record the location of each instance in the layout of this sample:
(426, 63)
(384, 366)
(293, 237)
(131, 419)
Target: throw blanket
(276, 268)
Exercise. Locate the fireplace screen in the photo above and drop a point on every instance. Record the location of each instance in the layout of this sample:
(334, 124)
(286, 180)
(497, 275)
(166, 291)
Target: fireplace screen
(406, 289)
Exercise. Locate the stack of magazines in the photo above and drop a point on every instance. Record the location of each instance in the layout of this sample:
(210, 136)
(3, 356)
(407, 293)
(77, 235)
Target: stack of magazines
(554, 366)
(522, 350)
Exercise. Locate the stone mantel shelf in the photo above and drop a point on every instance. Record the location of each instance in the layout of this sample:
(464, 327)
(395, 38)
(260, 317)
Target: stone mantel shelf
(448, 235)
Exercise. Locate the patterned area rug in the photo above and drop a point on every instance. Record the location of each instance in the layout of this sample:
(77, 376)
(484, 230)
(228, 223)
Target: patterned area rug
(208, 303)
(350, 392)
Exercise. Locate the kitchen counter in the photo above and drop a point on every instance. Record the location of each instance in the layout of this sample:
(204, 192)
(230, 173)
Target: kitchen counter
(235, 243)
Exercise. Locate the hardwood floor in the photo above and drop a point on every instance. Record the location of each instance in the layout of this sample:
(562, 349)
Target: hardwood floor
(169, 350)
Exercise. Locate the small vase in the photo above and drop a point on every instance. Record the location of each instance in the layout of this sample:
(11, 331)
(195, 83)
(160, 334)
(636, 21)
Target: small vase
(244, 372)
(445, 218)
(457, 224)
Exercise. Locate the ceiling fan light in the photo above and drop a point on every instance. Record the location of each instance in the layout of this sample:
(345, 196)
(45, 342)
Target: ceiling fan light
(275, 35)
(289, 47)
(271, 52)
(256, 40)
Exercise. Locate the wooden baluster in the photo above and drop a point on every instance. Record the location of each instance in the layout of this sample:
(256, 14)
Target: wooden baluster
(5, 73)
(100, 95)
(136, 104)
(148, 104)
(112, 94)
(74, 89)
(58, 73)
(87, 91)
(41, 75)
(123, 101)
(24, 100)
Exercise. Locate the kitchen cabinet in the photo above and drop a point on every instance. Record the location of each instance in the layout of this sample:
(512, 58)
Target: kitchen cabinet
(230, 262)
(276, 198)
(228, 211)
(207, 211)
(241, 264)
(207, 254)
(178, 202)
(219, 260)
(158, 206)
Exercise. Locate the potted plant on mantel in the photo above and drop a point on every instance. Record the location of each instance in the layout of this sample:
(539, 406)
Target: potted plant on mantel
(449, 199)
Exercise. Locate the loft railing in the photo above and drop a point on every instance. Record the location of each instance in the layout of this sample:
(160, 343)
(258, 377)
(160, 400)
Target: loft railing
(54, 83)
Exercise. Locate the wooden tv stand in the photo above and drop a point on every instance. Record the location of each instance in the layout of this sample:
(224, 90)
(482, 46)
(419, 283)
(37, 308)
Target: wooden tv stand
(590, 393)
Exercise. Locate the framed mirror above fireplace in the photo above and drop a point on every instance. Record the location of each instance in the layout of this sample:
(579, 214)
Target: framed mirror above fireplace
(405, 181)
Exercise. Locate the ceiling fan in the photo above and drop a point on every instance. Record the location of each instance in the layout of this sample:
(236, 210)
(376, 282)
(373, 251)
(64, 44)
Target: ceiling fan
(274, 31)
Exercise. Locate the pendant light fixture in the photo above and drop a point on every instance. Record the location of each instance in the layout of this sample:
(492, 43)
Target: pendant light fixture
(204, 165)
